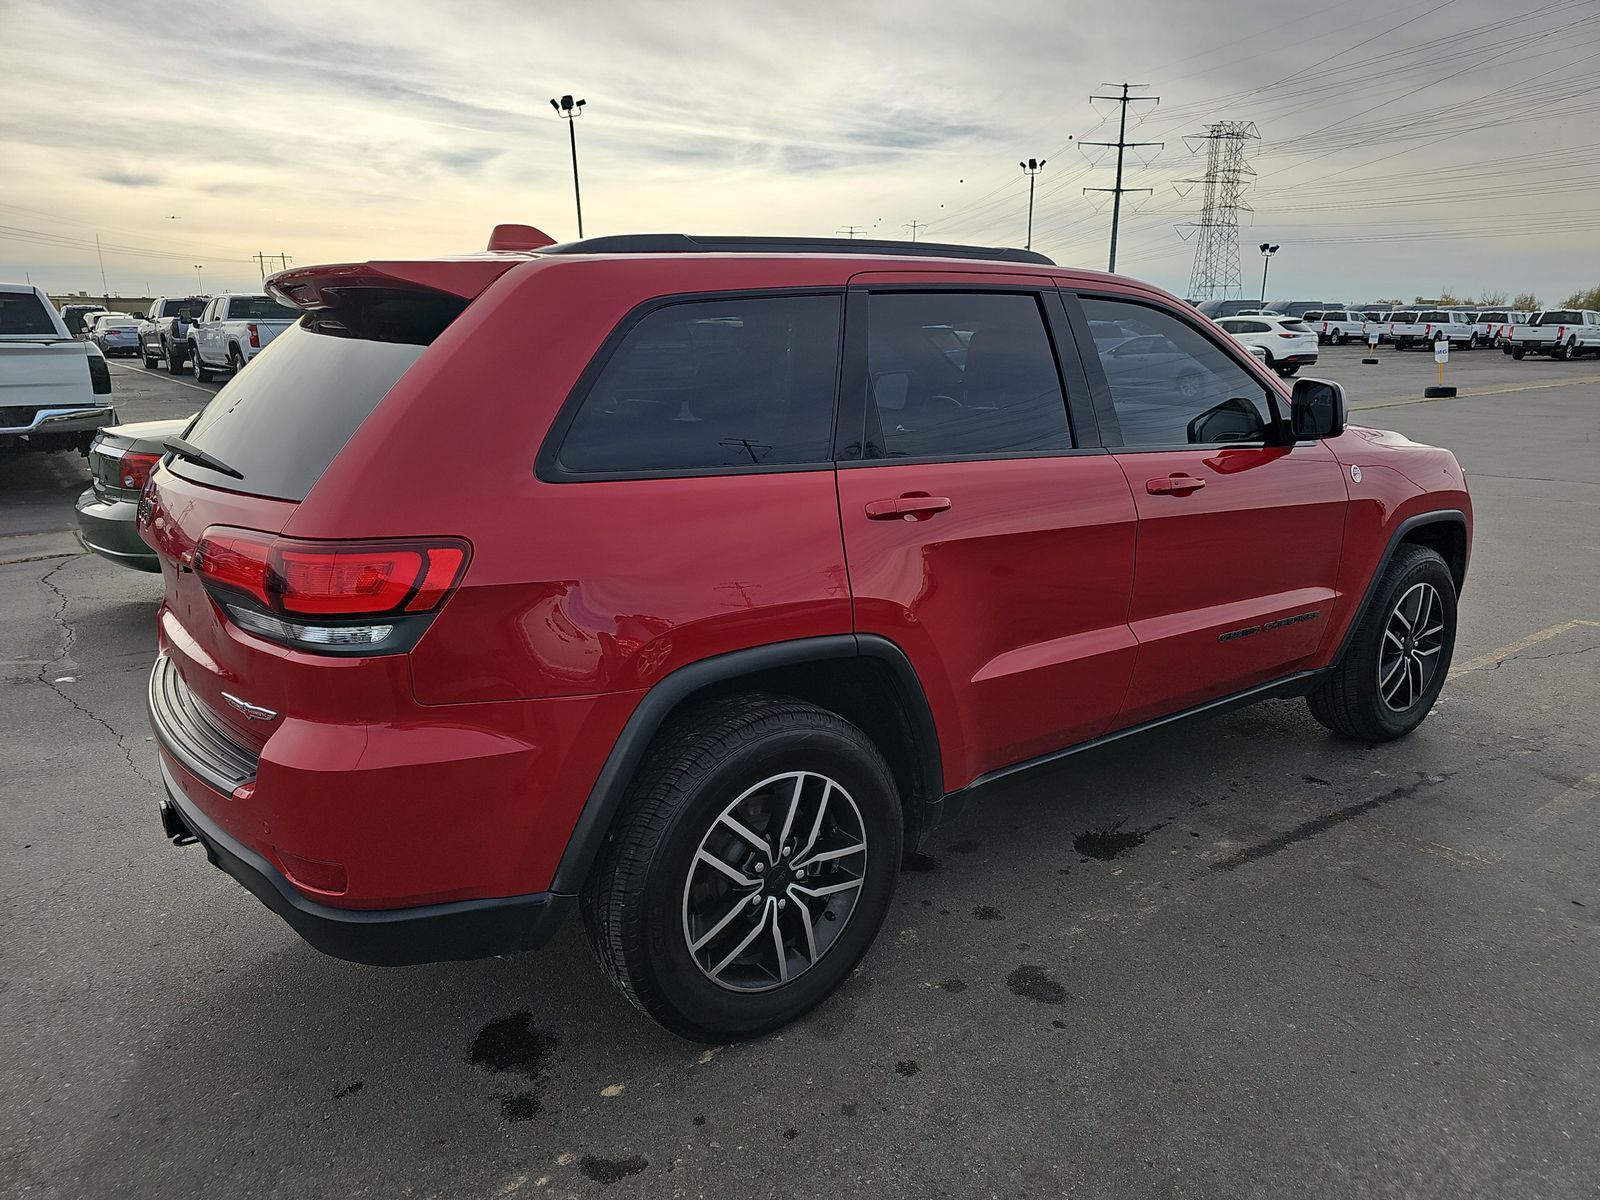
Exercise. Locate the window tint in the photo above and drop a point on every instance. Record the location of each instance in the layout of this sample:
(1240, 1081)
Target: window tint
(714, 383)
(23, 313)
(1491, 316)
(1002, 395)
(285, 419)
(1403, 318)
(1564, 317)
(1173, 386)
(261, 308)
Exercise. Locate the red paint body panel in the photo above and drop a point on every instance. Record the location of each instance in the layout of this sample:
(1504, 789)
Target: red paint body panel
(1012, 605)
(1259, 542)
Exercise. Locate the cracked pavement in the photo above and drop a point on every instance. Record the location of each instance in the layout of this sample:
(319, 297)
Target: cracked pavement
(1282, 964)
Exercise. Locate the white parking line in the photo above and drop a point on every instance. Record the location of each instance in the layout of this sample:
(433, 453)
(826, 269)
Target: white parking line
(169, 379)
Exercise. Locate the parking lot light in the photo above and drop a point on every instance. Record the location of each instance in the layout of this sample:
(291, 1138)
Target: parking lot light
(1267, 251)
(570, 110)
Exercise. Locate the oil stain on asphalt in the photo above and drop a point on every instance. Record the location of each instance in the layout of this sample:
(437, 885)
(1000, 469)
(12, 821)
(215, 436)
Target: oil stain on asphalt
(610, 1170)
(1108, 841)
(1029, 981)
(514, 1045)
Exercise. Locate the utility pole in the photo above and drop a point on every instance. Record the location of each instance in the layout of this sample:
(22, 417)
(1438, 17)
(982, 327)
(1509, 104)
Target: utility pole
(1122, 144)
(1216, 254)
(849, 231)
(261, 263)
(914, 226)
(570, 110)
(1031, 168)
(104, 286)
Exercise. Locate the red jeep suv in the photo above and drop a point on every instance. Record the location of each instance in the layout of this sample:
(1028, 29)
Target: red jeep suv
(691, 582)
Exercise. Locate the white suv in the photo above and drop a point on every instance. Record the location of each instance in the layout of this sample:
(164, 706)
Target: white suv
(1287, 342)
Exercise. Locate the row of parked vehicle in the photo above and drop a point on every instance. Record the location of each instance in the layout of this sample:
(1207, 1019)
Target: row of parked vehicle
(203, 334)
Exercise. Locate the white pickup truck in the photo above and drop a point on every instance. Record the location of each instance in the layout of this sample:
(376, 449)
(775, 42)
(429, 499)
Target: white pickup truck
(53, 386)
(232, 330)
(1560, 333)
(1429, 326)
(1336, 326)
(1493, 326)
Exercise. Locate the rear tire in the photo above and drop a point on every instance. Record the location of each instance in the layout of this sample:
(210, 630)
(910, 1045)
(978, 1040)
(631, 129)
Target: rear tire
(1365, 696)
(1518, 353)
(235, 360)
(673, 930)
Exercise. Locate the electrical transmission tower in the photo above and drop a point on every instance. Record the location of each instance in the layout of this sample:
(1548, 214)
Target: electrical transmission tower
(1216, 254)
(1121, 144)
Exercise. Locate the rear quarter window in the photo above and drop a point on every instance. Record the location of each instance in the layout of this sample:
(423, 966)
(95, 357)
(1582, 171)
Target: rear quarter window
(710, 385)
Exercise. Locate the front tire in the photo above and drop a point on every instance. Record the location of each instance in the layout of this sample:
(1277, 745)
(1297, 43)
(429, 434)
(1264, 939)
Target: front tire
(150, 361)
(1390, 674)
(751, 867)
(1287, 369)
(201, 371)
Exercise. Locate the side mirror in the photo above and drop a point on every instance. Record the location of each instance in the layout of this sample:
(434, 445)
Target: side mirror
(1317, 409)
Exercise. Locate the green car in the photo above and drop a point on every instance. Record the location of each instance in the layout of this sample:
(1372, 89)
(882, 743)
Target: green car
(121, 458)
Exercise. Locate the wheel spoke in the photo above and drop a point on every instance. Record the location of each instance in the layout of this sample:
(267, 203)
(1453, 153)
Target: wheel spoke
(803, 911)
(829, 889)
(1395, 638)
(830, 855)
(1426, 653)
(794, 807)
(733, 873)
(740, 905)
(744, 944)
(1439, 628)
(822, 811)
(777, 942)
(1383, 680)
(1400, 615)
(749, 835)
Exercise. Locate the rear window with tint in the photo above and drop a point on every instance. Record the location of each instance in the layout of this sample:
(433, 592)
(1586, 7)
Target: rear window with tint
(1565, 317)
(187, 309)
(1492, 316)
(1403, 318)
(1295, 326)
(253, 308)
(280, 423)
(22, 313)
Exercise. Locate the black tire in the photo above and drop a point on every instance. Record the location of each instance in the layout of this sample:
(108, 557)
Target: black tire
(176, 361)
(235, 359)
(1286, 369)
(1351, 700)
(201, 372)
(1472, 341)
(1518, 353)
(148, 360)
(1339, 338)
(636, 903)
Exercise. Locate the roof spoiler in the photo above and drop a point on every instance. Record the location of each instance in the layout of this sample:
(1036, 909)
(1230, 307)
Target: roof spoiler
(519, 237)
(322, 286)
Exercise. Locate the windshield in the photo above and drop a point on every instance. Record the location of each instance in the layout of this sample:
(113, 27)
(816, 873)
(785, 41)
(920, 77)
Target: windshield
(261, 308)
(1564, 317)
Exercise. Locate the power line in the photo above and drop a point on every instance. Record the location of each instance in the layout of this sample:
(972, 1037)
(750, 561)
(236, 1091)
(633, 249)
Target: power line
(1122, 145)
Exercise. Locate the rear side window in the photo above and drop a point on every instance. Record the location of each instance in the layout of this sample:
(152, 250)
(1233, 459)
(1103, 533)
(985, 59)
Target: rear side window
(22, 313)
(282, 421)
(714, 384)
(1001, 395)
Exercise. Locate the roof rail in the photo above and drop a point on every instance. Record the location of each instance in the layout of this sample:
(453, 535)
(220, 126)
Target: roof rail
(682, 243)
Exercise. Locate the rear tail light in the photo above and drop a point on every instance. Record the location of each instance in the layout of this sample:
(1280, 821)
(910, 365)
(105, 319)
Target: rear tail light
(351, 597)
(1288, 335)
(133, 470)
(255, 335)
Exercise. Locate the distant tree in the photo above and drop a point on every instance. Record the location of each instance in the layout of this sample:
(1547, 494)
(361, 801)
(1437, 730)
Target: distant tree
(1587, 299)
(1492, 297)
(1449, 299)
(1525, 302)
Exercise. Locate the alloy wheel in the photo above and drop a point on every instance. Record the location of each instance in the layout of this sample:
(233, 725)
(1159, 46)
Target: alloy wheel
(774, 882)
(1412, 641)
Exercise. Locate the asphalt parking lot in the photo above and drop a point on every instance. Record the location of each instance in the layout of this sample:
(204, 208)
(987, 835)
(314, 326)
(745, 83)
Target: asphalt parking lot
(1236, 958)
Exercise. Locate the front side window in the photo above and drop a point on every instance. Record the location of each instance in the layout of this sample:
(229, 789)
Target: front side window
(710, 384)
(1001, 395)
(1173, 386)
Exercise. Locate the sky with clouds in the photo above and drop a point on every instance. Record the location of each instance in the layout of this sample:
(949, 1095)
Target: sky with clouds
(1405, 146)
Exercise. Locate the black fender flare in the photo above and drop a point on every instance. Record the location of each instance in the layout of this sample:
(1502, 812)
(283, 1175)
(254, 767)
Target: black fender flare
(627, 754)
(1440, 516)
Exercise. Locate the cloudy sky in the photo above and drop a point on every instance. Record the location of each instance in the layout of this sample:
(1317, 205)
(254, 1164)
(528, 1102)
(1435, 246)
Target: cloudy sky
(1406, 146)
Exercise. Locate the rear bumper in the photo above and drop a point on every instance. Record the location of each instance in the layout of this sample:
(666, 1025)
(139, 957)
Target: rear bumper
(64, 420)
(107, 527)
(465, 929)
(1295, 360)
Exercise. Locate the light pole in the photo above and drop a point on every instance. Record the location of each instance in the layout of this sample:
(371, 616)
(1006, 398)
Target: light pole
(1031, 168)
(1267, 251)
(198, 286)
(570, 110)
